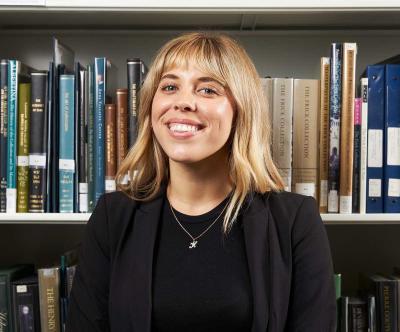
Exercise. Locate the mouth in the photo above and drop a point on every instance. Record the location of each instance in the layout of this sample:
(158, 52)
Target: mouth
(184, 128)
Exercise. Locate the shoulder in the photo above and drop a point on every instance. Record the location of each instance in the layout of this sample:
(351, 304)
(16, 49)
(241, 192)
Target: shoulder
(117, 200)
(292, 208)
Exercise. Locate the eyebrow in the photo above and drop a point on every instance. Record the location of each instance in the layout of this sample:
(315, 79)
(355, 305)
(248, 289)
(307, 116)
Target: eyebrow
(201, 79)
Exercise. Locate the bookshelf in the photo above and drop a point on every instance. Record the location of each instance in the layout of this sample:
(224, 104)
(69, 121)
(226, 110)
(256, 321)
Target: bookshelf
(285, 39)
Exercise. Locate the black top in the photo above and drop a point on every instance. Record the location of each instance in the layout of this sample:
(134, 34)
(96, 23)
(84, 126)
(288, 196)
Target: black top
(206, 288)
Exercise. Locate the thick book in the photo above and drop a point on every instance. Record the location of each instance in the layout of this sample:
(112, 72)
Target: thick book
(335, 107)
(17, 73)
(136, 72)
(347, 127)
(122, 125)
(305, 137)
(26, 307)
(356, 156)
(49, 297)
(364, 149)
(358, 314)
(110, 149)
(391, 153)
(63, 63)
(324, 134)
(7, 276)
(3, 132)
(67, 135)
(82, 148)
(24, 110)
(38, 142)
(283, 128)
(376, 112)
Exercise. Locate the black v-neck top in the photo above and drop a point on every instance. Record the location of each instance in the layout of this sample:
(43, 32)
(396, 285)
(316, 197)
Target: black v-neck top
(206, 288)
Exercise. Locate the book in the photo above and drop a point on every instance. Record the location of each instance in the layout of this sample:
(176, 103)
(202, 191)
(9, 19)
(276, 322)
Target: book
(38, 142)
(82, 151)
(24, 110)
(282, 111)
(335, 107)
(7, 276)
(305, 137)
(90, 139)
(122, 125)
(110, 149)
(391, 153)
(49, 295)
(26, 308)
(363, 147)
(17, 73)
(136, 72)
(376, 111)
(356, 156)
(324, 134)
(347, 127)
(67, 135)
(3, 132)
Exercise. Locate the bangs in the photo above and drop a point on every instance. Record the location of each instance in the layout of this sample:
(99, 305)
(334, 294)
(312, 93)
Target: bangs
(202, 53)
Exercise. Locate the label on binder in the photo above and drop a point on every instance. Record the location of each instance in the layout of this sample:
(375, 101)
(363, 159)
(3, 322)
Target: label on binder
(394, 188)
(37, 160)
(375, 142)
(11, 201)
(110, 185)
(323, 195)
(307, 189)
(333, 201)
(375, 188)
(22, 289)
(22, 161)
(66, 164)
(393, 146)
(345, 204)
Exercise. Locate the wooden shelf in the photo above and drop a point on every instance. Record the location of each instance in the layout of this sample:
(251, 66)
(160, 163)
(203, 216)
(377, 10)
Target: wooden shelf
(82, 218)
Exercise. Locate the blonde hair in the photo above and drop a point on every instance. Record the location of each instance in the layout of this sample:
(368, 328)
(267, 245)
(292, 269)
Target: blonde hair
(250, 162)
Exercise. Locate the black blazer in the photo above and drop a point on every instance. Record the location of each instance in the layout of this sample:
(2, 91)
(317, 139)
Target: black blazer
(287, 249)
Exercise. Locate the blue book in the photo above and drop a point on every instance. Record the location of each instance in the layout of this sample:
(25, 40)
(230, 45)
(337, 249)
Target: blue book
(90, 148)
(17, 73)
(376, 112)
(391, 164)
(100, 72)
(67, 137)
(335, 108)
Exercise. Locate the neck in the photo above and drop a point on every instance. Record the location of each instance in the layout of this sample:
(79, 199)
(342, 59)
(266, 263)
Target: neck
(197, 188)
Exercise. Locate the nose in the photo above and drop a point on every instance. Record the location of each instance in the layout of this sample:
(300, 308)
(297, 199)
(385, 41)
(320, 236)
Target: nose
(185, 101)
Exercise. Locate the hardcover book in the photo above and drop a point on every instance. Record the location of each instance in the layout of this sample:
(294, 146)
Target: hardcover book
(49, 295)
(3, 132)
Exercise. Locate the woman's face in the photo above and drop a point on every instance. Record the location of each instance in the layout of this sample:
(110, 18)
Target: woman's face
(191, 115)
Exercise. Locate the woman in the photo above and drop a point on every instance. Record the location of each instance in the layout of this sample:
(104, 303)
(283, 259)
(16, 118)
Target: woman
(203, 237)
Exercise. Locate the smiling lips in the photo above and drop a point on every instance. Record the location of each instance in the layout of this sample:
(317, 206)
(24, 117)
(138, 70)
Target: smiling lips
(184, 126)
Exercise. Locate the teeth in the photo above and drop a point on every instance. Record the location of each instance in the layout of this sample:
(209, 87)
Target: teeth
(179, 127)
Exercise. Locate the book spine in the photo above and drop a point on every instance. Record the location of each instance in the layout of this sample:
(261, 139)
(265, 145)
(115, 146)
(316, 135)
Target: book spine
(26, 307)
(376, 111)
(50, 139)
(344, 317)
(49, 294)
(90, 148)
(12, 136)
(357, 155)
(283, 128)
(363, 152)
(388, 305)
(122, 125)
(391, 181)
(111, 162)
(3, 132)
(135, 76)
(335, 104)
(83, 183)
(347, 127)
(371, 314)
(24, 105)
(5, 314)
(99, 141)
(38, 143)
(324, 134)
(305, 137)
(266, 84)
(76, 142)
(67, 135)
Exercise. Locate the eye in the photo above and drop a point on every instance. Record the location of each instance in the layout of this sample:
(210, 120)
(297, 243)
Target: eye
(168, 87)
(208, 91)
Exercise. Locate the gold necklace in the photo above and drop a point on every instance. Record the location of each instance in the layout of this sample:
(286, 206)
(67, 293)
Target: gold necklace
(194, 242)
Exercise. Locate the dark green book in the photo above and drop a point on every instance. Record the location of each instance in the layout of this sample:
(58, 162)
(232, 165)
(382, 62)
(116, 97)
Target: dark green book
(7, 276)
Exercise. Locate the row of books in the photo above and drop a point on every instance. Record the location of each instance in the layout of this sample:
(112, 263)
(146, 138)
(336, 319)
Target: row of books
(335, 144)
(36, 300)
(375, 308)
(64, 131)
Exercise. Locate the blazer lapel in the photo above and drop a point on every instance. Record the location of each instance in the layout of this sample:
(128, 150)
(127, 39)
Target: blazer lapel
(146, 222)
(255, 223)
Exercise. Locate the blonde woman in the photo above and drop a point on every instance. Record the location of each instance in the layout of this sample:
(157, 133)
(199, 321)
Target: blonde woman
(203, 237)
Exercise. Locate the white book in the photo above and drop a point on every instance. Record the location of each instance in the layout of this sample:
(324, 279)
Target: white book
(364, 140)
